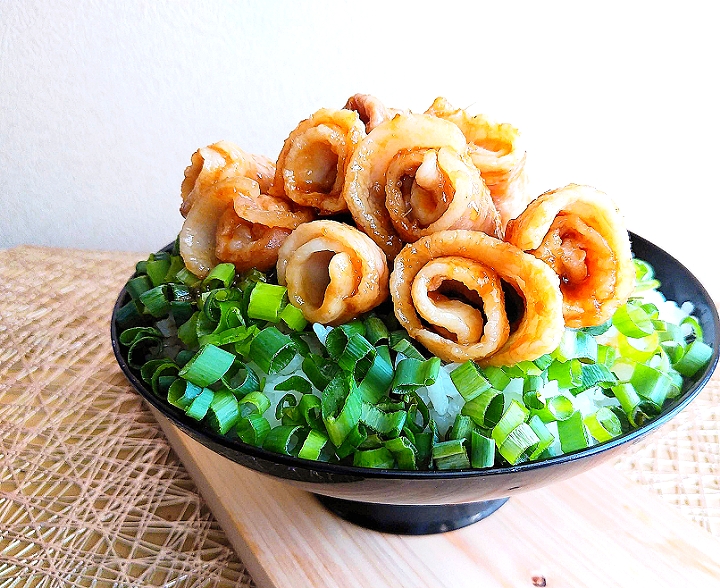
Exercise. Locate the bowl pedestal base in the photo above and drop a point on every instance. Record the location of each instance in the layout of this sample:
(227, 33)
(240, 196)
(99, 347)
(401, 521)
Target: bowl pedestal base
(410, 519)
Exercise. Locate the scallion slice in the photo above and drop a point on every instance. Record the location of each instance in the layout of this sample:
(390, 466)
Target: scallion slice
(253, 403)
(633, 321)
(341, 407)
(272, 350)
(469, 381)
(198, 343)
(404, 452)
(482, 450)
(200, 404)
(293, 317)
(603, 424)
(253, 429)
(696, 356)
(285, 439)
(267, 301)
(221, 276)
(381, 458)
(207, 366)
(572, 433)
(223, 411)
(485, 409)
(314, 445)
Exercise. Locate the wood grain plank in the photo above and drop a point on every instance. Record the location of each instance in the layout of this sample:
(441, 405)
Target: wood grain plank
(597, 529)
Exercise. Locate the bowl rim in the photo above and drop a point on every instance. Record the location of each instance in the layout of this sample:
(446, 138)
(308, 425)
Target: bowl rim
(216, 439)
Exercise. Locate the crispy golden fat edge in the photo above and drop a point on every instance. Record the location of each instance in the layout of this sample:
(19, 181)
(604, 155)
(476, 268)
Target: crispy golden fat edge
(539, 330)
(497, 151)
(370, 109)
(333, 271)
(220, 161)
(312, 164)
(217, 174)
(588, 306)
(365, 184)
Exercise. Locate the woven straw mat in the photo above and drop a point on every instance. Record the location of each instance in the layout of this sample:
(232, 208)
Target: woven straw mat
(91, 492)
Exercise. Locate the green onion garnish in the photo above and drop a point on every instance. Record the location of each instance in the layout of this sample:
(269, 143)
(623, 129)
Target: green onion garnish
(231, 352)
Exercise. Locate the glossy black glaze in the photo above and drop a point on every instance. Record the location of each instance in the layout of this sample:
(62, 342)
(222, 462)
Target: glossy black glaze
(377, 498)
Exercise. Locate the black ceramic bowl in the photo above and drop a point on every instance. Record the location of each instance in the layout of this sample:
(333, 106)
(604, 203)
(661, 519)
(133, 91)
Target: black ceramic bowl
(419, 502)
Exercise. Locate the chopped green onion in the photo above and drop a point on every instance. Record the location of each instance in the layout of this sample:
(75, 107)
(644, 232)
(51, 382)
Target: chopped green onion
(405, 347)
(568, 374)
(223, 411)
(403, 451)
(314, 445)
(200, 404)
(221, 276)
(697, 356)
(497, 377)
(341, 408)
(388, 424)
(461, 428)
(309, 409)
(253, 429)
(166, 369)
(518, 444)
(319, 370)
(182, 393)
(138, 286)
(374, 458)
(293, 317)
(633, 321)
(207, 366)
(240, 379)
(545, 437)
(603, 424)
(376, 330)
(157, 269)
(228, 336)
(576, 345)
(485, 409)
(194, 341)
(514, 416)
(413, 373)
(561, 407)
(156, 301)
(272, 350)
(357, 356)
(571, 432)
(644, 276)
(448, 448)
(595, 374)
(482, 450)
(185, 276)
(378, 377)
(652, 384)
(129, 336)
(253, 402)
(639, 350)
(129, 315)
(187, 332)
(284, 439)
(294, 383)
(143, 349)
(469, 381)
(266, 302)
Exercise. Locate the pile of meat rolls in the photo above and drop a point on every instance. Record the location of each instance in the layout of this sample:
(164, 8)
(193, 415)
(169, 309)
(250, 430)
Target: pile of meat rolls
(431, 210)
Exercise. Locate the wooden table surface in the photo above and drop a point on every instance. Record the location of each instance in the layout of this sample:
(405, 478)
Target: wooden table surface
(93, 492)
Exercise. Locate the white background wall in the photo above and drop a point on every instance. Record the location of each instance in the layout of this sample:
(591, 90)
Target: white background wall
(102, 104)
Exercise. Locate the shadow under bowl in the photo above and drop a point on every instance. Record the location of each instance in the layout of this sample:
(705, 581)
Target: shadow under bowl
(423, 502)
